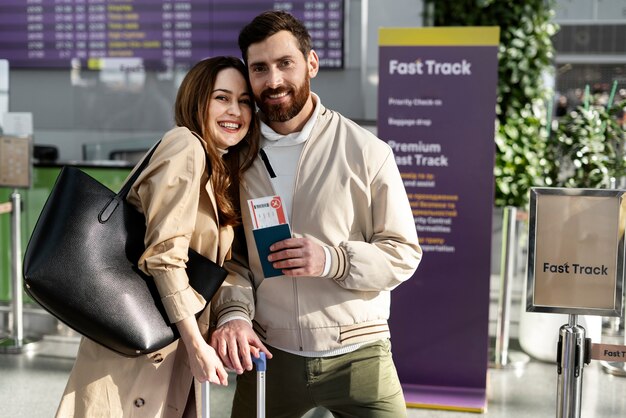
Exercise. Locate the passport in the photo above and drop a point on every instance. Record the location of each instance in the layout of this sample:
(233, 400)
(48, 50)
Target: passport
(270, 225)
(264, 238)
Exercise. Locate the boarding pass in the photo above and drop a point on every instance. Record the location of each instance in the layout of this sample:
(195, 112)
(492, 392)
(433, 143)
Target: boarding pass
(267, 211)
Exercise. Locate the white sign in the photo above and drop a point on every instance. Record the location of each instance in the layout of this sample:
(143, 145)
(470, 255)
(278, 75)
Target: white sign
(576, 251)
(17, 123)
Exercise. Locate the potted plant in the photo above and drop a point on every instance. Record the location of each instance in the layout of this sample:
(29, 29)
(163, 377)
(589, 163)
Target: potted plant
(524, 58)
(587, 148)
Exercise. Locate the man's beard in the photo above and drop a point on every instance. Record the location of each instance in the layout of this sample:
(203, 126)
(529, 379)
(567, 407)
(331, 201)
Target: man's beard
(285, 111)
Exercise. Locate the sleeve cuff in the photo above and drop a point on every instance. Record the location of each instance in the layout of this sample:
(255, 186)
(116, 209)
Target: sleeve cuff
(339, 265)
(232, 311)
(326, 262)
(227, 318)
(179, 299)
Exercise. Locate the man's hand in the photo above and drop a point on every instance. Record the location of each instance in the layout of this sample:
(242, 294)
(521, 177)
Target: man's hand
(235, 341)
(298, 257)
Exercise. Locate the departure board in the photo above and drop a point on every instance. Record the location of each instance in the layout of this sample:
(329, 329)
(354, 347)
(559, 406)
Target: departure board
(154, 34)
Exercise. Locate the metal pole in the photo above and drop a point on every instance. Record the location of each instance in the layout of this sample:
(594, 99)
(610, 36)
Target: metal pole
(615, 323)
(502, 357)
(16, 344)
(16, 269)
(570, 363)
(261, 366)
(206, 400)
(506, 275)
(364, 50)
(612, 367)
(616, 326)
(260, 394)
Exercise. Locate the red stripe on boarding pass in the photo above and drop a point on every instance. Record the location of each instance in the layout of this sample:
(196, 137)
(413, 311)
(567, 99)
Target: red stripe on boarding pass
(277, 204)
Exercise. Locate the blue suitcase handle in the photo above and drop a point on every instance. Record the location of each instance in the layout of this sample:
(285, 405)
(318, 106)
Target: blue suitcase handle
(260, 363)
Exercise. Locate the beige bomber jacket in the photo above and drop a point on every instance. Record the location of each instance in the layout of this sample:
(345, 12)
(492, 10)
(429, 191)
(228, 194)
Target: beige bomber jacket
(349, 197)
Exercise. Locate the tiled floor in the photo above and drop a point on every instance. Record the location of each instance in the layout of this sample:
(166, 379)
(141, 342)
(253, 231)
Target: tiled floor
(31, 385)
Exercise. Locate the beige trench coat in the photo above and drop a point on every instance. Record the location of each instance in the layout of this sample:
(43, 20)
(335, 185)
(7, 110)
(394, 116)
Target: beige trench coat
(105, 384)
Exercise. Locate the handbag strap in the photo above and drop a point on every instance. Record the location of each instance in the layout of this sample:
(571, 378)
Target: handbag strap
(131, 180)
(112, 204)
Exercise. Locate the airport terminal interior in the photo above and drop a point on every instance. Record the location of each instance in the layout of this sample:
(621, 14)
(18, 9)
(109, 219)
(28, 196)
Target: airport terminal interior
(31, 387)
(101, 107)
(32, 384)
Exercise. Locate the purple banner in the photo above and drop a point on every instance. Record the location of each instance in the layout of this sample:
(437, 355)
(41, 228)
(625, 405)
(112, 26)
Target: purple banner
(436, 109)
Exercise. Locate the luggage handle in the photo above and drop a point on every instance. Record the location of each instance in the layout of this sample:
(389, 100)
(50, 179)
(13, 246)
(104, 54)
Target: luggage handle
(261, 366)
(260, 363)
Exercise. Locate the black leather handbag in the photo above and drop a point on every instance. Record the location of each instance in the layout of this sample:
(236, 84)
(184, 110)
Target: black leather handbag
(81, 266)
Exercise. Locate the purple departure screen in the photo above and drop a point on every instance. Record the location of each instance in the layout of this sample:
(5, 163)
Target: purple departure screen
(159, 34)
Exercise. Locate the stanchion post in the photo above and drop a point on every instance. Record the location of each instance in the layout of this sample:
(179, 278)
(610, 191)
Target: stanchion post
(615, 323)
(617, 329)
(571, 358)
(617, 368)
(16, 269)
(16, 344)
(502, 357)
(557, 283)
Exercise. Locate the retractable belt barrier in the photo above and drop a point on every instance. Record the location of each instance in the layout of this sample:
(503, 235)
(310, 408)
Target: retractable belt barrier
(15, 172)
(16, 343)
(502, 357)
(576, 267)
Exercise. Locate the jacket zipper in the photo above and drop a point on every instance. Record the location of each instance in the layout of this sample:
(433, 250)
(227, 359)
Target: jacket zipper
(270, 174)
(293, 205)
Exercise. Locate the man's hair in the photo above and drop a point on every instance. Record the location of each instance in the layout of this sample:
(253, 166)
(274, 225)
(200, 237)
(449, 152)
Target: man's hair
(269, 23)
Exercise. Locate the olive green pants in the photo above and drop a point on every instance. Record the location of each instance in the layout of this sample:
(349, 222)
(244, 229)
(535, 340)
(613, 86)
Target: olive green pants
(361, 384)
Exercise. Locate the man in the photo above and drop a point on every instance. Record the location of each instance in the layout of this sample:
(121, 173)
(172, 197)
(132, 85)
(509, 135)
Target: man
(323, 322)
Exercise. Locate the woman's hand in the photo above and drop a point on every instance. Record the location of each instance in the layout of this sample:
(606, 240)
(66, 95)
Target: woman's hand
(204, 362)
(207, 366)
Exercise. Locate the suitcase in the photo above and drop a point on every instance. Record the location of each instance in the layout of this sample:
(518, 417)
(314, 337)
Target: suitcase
(261, 365)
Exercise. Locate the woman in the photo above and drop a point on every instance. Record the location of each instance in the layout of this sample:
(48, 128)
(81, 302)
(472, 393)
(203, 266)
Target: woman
(189, 196)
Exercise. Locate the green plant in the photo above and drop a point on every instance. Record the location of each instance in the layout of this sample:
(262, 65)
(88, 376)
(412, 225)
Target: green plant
(587, 148)
(525, 57)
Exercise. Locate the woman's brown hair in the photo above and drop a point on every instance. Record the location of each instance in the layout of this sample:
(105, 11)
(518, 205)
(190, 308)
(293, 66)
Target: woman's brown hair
(190, 111)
